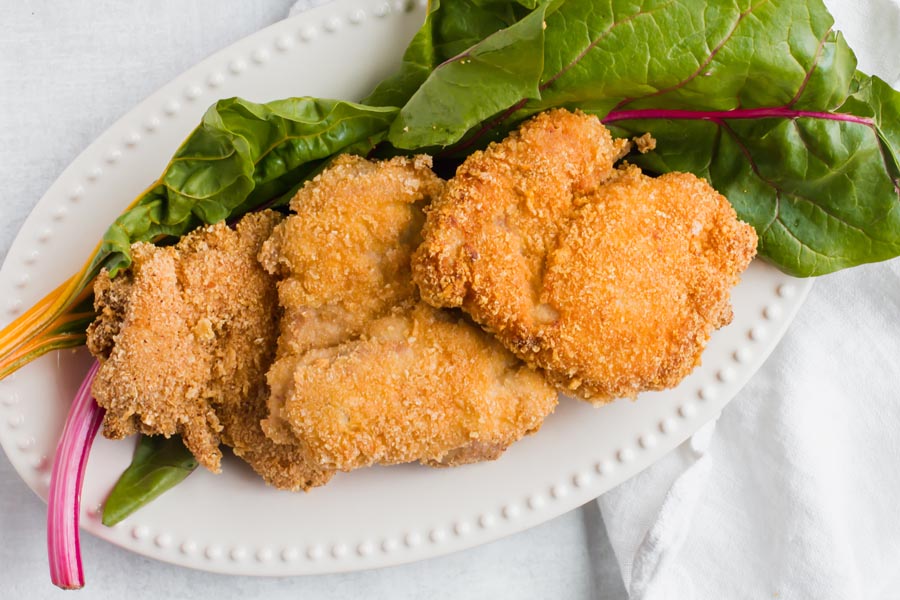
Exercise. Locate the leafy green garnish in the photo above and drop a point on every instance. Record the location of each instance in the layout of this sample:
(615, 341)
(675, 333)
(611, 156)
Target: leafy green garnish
(499, 70)
(159, 464)
(760, 97)
(242, 155)
(450, 29)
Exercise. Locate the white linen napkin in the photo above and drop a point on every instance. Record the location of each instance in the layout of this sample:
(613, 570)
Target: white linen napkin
(797, 494)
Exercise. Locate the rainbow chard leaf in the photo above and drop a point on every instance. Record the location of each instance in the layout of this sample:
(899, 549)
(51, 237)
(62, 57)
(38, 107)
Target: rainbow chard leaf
(760, 97)
(242, 155)
(450, 29)
(475, 84)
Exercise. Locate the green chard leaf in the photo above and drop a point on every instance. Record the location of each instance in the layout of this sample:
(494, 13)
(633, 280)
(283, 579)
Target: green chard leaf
(450, 29)
(760, 97)
(241, 156)
(159, 464)
(874, 99)
(463, 91)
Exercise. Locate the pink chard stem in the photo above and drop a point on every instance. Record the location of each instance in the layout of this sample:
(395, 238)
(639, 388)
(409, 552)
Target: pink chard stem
(739, 113)
(64, 500)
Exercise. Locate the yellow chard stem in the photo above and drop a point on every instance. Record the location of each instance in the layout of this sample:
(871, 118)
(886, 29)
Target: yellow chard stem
(38, 330)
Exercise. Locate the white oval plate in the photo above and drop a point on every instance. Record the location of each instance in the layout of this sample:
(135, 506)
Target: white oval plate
(371, 518)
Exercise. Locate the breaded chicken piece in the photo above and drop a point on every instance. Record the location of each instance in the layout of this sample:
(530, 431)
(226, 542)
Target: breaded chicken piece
(418, 385)
(487, 237)
(638, 281)
(365, 372)
(611, 285)
(185, 338)
(344, 255)
(343, 258)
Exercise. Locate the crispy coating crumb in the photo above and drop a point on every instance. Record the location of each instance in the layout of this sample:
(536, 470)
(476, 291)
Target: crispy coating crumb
(365, 372)
(645, 143)
(185, 339)
(418, 385)
(612, 287)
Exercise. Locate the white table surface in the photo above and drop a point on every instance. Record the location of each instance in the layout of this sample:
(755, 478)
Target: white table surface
(67, 71)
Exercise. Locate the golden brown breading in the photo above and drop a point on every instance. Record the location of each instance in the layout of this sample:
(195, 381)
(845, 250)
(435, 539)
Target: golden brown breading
(284, 466)
(419, 385)
(486, 238)
(638, 281)
(185, 339)
(612, 285)
(365, 372)
(343, 257)
(111, 298)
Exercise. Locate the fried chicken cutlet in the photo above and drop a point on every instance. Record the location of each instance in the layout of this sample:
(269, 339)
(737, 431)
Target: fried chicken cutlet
(419, 384)
(365, 372)
(342, 258)
(653, 261)
(608, 280)
(185, 338)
